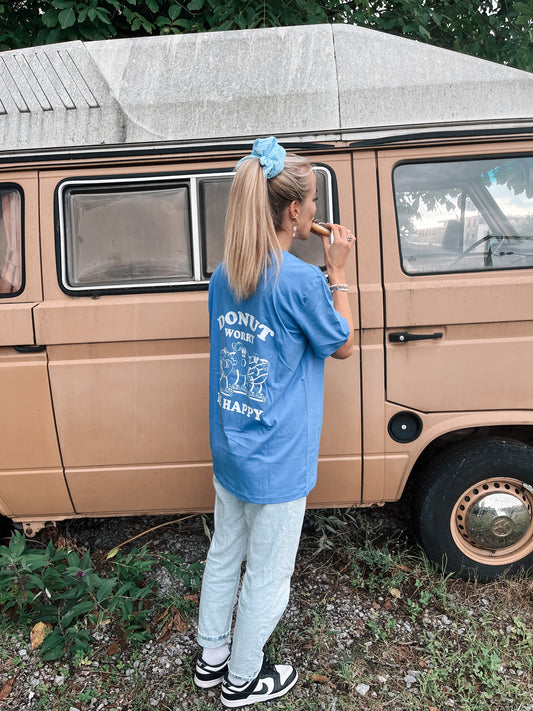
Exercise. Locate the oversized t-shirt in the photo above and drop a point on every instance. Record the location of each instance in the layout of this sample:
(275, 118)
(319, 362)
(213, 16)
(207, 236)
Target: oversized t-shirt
(267, 380)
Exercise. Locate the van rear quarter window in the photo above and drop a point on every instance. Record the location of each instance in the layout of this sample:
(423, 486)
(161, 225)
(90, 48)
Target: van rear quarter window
(465, 215)
(135, 234)
(127, 236)
(11, 266)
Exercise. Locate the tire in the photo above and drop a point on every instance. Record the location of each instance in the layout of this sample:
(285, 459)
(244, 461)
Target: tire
(473, 512)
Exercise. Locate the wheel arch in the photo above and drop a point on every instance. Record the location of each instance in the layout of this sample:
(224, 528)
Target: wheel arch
(422, 460)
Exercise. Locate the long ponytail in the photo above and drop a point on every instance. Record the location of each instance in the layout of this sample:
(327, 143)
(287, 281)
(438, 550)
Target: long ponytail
(255, 213)
(250, 237)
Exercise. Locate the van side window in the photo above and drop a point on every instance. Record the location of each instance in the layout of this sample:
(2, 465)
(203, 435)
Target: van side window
(213, 195)
(213, 201)
(146, 233)
(127, 236)
(465, 215)
(312, 251)
(10, 241)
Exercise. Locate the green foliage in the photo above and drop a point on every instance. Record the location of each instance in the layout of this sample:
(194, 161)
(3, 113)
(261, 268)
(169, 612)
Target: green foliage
(499, 30)
(34, 22)
(58, 587)
(468, 661)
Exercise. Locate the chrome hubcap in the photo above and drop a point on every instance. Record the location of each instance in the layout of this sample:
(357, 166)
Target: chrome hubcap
(494, 514)
(497, 521)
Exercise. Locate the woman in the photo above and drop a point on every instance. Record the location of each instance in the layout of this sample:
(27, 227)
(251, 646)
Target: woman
(273, 322)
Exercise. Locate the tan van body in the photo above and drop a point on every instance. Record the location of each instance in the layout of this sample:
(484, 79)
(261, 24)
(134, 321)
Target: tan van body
(105, 384)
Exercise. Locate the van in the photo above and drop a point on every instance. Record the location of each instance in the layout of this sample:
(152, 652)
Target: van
(115, 165)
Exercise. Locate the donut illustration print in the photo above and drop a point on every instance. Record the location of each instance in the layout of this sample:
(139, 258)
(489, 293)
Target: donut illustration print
(256, 377)
(242, 373)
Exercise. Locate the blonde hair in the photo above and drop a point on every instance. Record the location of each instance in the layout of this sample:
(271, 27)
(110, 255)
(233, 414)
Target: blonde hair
(255, 213)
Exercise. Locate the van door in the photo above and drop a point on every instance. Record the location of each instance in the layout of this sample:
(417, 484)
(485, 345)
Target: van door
(31, 474)
(458, 277)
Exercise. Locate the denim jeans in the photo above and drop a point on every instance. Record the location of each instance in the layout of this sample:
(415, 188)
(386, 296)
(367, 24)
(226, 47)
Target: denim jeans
(267, 537)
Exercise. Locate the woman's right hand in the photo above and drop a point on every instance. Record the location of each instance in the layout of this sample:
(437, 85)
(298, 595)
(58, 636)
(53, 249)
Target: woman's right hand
(336, 253)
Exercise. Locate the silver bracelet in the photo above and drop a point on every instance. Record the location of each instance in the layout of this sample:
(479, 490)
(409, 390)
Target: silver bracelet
(338, 287)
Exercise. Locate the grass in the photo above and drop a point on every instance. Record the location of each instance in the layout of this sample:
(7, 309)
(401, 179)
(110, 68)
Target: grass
(430, 641)
(369, 615)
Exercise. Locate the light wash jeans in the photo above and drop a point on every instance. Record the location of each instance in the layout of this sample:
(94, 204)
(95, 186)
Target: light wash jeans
(267, 537)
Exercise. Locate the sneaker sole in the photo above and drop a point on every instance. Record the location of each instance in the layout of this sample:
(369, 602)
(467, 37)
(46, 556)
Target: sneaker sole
(207, 683)
(229, 704)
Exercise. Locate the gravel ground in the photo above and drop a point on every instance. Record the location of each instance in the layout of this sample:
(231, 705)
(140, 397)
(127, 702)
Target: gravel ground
(327, 620)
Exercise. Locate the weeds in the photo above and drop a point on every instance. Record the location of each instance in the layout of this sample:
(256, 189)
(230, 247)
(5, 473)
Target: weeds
(425, 648)
(372, 626)
(59, 592)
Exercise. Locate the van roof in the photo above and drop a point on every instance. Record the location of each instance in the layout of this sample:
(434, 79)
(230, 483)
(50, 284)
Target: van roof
(306, 83)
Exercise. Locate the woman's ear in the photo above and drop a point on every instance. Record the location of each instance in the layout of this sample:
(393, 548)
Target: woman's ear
(294, 209)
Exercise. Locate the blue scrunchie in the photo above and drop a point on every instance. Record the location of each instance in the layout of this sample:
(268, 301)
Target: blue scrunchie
(271, 156)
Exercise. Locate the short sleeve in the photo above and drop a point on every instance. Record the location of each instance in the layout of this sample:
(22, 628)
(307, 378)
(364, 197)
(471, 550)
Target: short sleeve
(325, 329)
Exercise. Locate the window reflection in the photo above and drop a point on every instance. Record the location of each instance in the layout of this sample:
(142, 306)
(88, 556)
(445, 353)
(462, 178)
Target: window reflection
(465, 215)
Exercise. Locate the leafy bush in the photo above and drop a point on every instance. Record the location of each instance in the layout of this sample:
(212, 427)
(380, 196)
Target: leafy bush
(61, 589)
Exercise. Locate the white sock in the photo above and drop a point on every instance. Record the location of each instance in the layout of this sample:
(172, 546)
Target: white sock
(215, 656)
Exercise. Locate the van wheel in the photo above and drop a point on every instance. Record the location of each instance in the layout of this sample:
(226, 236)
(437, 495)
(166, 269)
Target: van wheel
(474, 509)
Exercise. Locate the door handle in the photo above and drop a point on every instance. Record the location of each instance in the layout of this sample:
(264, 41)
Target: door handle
(404, 336)
(29, 349)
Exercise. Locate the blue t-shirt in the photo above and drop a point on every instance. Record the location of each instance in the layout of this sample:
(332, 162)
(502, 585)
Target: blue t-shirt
(267, 380)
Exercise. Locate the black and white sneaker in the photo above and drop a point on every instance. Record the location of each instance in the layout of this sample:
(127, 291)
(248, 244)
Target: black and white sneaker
(273, 681)
(206, 676)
